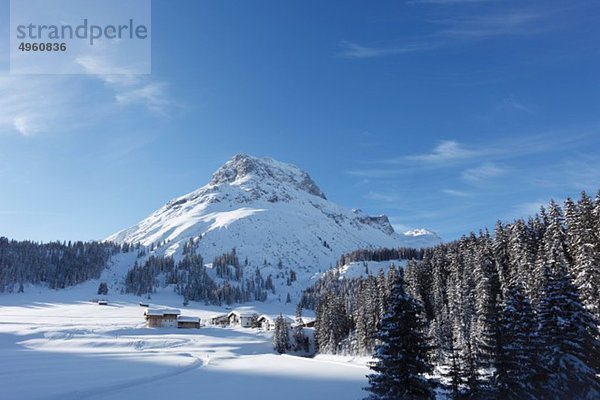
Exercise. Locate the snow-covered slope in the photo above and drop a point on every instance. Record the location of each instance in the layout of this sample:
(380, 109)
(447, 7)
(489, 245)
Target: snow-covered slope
(266, 210)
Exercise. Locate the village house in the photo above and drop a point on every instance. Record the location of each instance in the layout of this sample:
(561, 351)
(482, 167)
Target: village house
(245, 320)
(308, 322)
(185, 322)
(267, 322)
(221, 320)
(162, 318)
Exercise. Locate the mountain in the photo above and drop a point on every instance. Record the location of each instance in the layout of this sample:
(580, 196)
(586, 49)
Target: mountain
(272, 213)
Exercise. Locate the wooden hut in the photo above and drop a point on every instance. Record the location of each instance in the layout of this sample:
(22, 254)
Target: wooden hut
(159, 318)
(185, 322)
(154, 318)
(221, 319)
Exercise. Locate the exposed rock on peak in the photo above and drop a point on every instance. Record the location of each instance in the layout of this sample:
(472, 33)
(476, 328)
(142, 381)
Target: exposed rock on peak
(243, 168)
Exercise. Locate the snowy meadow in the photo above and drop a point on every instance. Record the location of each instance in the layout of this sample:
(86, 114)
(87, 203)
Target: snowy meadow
(77, 349)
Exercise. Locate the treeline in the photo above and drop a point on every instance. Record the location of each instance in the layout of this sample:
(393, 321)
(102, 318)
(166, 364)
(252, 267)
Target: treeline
(56, 264)
(192, 280)
(513, 316)
(382, 254)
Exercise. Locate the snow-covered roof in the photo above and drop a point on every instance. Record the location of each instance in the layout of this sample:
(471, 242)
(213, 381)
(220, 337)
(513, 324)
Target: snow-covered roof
(272, 318)
(162, 311)
(267, 317)
(242, 314)
(185, 318)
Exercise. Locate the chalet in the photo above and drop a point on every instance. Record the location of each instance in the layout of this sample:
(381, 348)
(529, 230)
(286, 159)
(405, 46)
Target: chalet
(267, 322)
(308, 322)
(184, 322)
(102, 302)
(245, 320)
(158, 318)
(221, 319)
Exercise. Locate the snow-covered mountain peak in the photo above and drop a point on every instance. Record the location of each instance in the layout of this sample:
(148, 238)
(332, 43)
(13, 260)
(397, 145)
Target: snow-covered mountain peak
(420, 232)
(244, 169)
(273, 214)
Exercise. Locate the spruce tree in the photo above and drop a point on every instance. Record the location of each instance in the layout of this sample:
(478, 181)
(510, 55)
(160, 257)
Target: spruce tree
(517, 361)
(402, 355)
(584, 249)
(568, 331)
(280, 335)
(301, 342)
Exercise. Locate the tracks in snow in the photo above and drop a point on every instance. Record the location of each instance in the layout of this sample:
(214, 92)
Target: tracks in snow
(101, 391)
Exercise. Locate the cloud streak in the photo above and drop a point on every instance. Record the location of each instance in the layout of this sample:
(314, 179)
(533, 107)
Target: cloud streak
(445, 151)
(129, 88)
(32, 104)
(354, 50)
(456, 29)
(481, 159)
(482, 173)
(456, 193)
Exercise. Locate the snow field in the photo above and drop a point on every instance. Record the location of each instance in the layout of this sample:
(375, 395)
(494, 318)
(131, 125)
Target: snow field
(79, 350)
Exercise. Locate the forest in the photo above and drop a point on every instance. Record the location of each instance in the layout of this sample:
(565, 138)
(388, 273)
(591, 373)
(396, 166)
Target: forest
(55, 264)
(513, 315)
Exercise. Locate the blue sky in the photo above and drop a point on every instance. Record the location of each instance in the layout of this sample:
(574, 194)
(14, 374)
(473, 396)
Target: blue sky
(444, 114)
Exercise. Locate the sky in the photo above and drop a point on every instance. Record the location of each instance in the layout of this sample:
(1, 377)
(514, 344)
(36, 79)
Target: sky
(442, 114)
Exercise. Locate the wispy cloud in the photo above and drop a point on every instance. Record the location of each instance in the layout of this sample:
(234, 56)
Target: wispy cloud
(31, 104)
(510, 103)
(129, 88)
(456, 193)
(481, 159)
(445, 151)
(483, 172)
(354, 50)
(486, 26)
(456, 29)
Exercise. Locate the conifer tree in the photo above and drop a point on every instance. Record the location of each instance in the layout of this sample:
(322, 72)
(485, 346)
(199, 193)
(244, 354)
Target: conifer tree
(280, 335)
(402, 355)
(517, 363)
(568, 331)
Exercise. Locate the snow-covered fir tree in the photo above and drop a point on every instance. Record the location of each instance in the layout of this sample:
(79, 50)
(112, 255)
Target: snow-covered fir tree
(513, 315)
(402, 356)
(281, 342)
